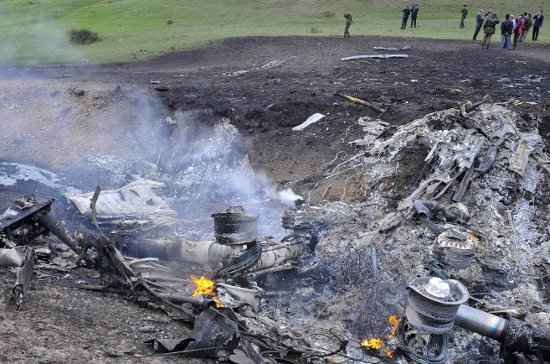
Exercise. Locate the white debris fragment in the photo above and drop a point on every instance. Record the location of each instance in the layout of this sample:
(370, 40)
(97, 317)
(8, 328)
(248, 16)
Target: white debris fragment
(374, 56)
(311, 120)
(373, 128)
(136, 204)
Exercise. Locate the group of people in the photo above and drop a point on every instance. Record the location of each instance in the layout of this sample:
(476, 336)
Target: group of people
(514, 29)
(412, 13)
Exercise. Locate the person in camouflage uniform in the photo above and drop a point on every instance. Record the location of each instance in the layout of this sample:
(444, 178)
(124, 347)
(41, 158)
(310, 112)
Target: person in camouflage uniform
(489, 29)
(349, 22)
(464, 14)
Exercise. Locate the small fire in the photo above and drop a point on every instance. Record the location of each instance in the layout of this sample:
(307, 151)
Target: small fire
(207, 288)
(372, 344)
(379, 343)
(394, 324)
(390, 354)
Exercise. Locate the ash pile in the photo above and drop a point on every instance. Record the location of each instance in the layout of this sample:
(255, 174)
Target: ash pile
(459, 194)
(440, 254)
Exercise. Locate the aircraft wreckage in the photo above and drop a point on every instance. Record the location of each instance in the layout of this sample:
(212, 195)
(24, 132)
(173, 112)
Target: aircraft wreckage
(121, 234)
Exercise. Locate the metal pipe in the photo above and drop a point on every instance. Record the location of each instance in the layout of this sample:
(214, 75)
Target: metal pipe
(483, 323)
(57, 228)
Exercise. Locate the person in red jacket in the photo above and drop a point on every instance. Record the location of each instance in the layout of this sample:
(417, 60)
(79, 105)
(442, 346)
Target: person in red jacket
(519, 29)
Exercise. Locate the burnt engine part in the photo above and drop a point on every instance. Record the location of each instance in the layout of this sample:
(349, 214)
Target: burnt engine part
(433, 304)
(243, 262)
(481, 322)
(427, 301)
(236, 252)
(235, 227)
(455, 248)
(516, 337)
(421, 347)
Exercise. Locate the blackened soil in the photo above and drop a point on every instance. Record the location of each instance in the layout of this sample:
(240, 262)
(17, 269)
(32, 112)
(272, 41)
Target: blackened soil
(266, 86)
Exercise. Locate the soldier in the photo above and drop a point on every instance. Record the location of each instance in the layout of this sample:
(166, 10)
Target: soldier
(480, 18)
(349, 22)
(489, 29)
(464, 14)
(414, 15)
(405, 18)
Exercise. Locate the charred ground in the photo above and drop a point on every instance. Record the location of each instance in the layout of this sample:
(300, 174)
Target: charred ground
(286, 80)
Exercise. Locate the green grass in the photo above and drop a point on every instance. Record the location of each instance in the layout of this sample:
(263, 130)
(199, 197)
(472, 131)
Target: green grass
(36, 31)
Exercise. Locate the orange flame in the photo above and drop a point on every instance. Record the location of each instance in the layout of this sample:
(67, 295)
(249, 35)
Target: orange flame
(207, 288)
(372, 344)
(378, 343)
(394, 324)
(390, 354)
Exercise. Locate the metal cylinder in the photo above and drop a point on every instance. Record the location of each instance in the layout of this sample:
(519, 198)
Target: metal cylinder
(483, 323)
(277, 255)
(432, 311)
(57, 228)
(234, 227)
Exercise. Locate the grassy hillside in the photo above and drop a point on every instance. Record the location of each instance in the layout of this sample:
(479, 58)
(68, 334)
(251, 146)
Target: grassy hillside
(36, 30)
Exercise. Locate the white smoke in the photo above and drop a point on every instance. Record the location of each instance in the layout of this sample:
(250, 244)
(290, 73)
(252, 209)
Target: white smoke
(110, 136)
(37, 40)
(288, 197)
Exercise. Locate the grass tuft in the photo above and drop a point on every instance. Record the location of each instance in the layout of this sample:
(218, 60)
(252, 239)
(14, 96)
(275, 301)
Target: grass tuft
(83, 36)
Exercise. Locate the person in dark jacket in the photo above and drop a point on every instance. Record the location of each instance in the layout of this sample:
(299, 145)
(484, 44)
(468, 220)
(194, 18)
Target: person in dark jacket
(349, 22)
(528, 26)
(405, 17)
(506, 29)
(489, 29)
(414, 15)
(463, 15)
(480, 18)
(538, 20)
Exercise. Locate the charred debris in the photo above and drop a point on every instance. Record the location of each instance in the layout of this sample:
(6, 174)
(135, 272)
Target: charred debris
(445, 250)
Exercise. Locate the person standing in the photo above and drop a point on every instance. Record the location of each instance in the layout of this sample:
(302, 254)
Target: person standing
(506, 29)
(349, 22)
(405, 17)
(528, 26)
(518, 29)
(489, 29)
(538, 20)
(464, 14)
(480, 18)
(414, 15)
